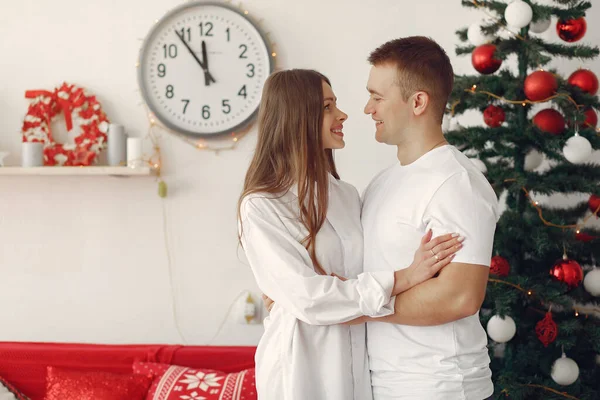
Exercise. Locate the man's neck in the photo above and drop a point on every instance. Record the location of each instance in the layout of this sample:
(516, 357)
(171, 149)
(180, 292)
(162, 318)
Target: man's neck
(421, 143)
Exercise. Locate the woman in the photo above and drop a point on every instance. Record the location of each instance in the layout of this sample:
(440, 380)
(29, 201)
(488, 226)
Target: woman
(299, 225)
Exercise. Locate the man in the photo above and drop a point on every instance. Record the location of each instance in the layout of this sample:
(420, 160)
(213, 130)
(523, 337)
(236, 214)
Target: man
(433, 347)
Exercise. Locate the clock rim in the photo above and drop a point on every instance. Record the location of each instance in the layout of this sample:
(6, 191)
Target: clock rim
(243, 125)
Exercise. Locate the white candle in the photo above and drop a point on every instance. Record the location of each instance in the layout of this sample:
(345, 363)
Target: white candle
(134, 152)
(33, 154)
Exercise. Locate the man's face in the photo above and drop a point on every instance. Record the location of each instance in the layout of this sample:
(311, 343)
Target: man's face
(390, 113)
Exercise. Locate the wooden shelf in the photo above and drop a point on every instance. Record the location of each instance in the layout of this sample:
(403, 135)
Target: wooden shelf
(77, 171)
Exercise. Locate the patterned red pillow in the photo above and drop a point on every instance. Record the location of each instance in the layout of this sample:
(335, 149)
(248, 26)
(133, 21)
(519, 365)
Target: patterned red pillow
(173, 382)
(9, 392)
(66, 384)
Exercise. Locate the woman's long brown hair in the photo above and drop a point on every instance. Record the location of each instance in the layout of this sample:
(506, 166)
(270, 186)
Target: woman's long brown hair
(290, 151)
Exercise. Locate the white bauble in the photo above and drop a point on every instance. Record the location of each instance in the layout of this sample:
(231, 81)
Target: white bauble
(577, 150)
(533, 160)
(476, 36)
(500, 329)
(518, 14)
(540, 26)
(446, 122)
(591, 283)
(479, 164)
(565, 371)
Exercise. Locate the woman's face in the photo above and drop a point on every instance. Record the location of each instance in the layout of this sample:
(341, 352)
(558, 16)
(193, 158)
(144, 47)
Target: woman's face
(333, 121)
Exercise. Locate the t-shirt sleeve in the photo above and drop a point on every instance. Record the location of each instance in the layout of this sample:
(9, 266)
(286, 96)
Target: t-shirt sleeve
(467, 205)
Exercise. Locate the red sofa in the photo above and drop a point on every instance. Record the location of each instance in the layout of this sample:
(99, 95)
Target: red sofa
(24, 364)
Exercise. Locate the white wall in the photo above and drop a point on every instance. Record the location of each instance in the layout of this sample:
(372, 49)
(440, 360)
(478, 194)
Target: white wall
(83, 258)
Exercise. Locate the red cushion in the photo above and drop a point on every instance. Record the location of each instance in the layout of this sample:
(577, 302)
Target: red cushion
(6, 388)
(24, 364)
(67, 384)
(173, 382)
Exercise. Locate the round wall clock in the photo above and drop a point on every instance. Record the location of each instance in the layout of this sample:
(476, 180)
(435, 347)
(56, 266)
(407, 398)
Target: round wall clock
(202, 68)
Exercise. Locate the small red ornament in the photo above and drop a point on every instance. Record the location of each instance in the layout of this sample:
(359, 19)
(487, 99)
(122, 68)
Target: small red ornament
(585, 80)
(567, 271)
(550, 121)
(493, 116)
(499, 266)
(591, 118)
(483, 59)
(571, 30)
(585, 237)
(546, 330)
(594, 203)
(540, 85)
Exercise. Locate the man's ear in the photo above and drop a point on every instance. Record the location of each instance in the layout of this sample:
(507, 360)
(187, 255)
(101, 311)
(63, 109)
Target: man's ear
(420, 101)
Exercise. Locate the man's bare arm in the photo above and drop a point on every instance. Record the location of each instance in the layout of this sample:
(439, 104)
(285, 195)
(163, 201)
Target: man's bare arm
(456, 293)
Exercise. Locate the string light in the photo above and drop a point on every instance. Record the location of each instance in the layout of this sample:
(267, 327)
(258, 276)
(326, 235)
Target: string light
(535, 204)
(529, 292)
(523, 102)
(568, 396)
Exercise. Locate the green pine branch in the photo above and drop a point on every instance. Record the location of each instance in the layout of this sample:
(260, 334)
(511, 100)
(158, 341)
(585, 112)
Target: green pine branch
(569, 51)
(565, 178)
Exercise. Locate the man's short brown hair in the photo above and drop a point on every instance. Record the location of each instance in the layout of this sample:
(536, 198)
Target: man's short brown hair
(422, 66)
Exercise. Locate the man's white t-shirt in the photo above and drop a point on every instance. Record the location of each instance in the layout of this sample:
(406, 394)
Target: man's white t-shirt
(444, 191)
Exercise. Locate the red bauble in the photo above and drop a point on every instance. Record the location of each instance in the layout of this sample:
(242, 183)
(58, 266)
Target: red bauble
(567, 271)
(571, 30)
(594, 203)
(540, 85)
(550, 121)
(546, 330)
(483, 59)
(591, 118)
(585, 80)
(584, 237)
(493, 116)
(499, 266)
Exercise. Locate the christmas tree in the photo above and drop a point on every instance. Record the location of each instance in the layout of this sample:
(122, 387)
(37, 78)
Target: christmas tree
(541, 314)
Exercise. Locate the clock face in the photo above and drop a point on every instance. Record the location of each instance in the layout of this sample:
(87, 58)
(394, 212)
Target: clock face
(202, 69)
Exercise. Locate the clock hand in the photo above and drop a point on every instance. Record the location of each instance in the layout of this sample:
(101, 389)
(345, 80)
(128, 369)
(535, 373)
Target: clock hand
(204, 68)
(207, 76)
